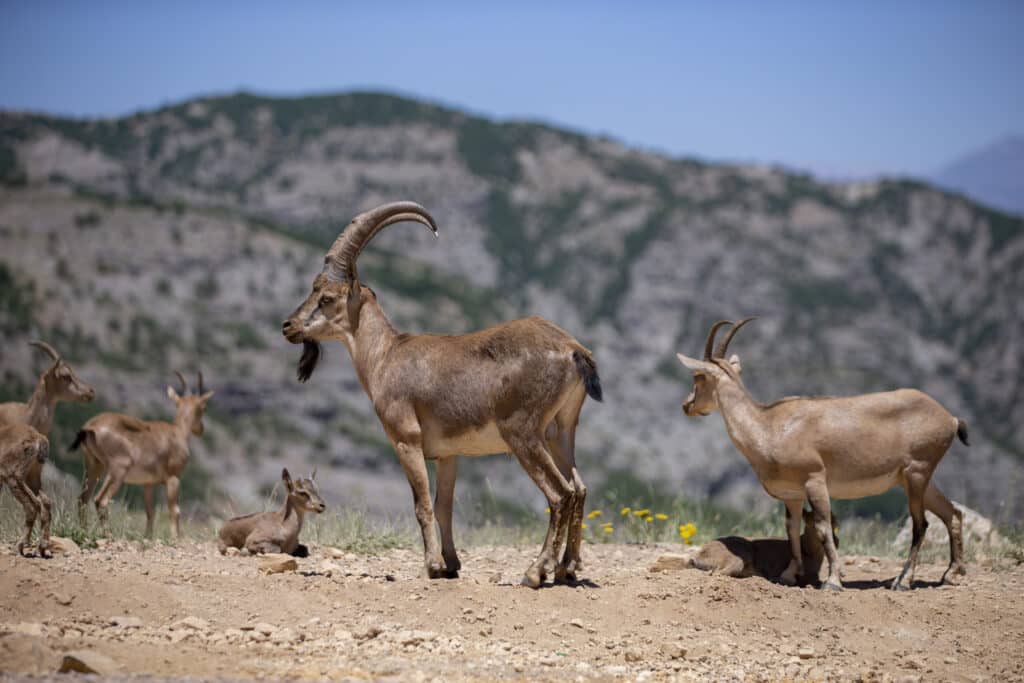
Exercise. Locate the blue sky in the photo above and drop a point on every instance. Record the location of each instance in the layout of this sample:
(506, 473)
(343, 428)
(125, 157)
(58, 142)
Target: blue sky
(845, 89)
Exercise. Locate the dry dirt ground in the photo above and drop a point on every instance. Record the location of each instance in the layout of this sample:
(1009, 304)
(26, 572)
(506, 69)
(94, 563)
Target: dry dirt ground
(185, 611)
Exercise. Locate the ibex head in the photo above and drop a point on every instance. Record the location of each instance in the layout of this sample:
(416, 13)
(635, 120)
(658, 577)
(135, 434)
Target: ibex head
(61, 380)
(190, 407)
(707, 373)
(331, 311)
(303, 493)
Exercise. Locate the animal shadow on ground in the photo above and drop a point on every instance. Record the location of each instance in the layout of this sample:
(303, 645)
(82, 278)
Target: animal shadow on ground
(875, 584)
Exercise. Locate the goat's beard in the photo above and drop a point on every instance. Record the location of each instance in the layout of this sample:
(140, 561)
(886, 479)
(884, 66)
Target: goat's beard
(310, 357)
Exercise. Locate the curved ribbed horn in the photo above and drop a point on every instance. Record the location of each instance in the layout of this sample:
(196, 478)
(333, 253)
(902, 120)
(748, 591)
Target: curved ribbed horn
(202, 389)
(184, 384)
(43, 346)
(724, 345)
(340, 262)
(709, 344)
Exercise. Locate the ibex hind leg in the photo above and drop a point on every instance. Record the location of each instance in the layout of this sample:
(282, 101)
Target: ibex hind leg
(528, 448)
(952, 517)
(916, 485)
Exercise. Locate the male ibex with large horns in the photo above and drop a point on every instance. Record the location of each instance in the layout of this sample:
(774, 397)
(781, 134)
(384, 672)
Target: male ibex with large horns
(844, 447)
(133, 451)
(517, 388)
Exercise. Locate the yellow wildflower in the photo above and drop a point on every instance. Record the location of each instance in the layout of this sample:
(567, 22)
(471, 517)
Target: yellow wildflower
(583, 525)
(625, 511)
(594, 514)
(686, 531)
(661, 516)
(648, 519)
(547, 510)
(608, 529)
(641, 513)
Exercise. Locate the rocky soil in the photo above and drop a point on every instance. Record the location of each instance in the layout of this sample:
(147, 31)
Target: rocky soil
(185, 611)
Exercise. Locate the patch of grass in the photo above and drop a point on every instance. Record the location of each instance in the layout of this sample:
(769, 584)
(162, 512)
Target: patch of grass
(355, 531)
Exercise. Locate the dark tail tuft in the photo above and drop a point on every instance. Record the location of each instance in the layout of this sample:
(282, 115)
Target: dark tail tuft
(588, 371)
(961, 431)
(79, 438)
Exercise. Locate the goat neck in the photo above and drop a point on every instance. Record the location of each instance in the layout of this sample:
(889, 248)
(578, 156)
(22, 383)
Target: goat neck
(41, 406)
(744, 417)
(370, 343)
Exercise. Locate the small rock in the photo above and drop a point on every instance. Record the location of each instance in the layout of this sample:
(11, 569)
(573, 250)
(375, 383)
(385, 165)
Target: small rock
(284, 635)
(264, 628)
(28, 628)
(950, 660)
(342, 634)
(495, 577)
(63, 546)
(63, 598)
(232, 552)
(913, 663)
(126, 621)
(576, 622)
(673, 650)
(88, 662)
(275, 563)
(805, 652)
(327, 568)
(334, 553)
(633, 655)
(367, 633)
(193, 623)
(672, 562)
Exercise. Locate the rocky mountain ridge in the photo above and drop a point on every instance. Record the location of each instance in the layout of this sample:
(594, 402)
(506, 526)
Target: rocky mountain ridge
(183, 236)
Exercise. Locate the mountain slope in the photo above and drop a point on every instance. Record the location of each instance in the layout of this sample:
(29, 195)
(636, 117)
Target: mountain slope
(191, 231)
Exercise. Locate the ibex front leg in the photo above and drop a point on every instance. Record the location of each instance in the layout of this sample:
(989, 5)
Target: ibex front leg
(415, 466)
(443, 500)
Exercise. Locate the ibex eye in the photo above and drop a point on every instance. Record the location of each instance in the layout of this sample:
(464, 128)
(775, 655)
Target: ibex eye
(326, 300)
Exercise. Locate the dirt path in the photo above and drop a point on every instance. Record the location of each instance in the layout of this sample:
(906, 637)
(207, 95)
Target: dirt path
(357, 617)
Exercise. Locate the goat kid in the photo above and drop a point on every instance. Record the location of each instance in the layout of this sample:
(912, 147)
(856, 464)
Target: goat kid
(765, 557)
(132, 451)
(517, 387)
(848, 447)
(23, 450)
(277, 531)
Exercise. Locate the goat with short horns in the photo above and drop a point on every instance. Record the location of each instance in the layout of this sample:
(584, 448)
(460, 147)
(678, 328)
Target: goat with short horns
(148, 452)
(808, 449)
(517, 387)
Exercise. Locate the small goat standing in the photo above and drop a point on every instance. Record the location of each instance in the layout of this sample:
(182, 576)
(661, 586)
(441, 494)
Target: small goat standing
(275, 532)
(846, 447)
(133, 451)
(517, 387)
(22, 450)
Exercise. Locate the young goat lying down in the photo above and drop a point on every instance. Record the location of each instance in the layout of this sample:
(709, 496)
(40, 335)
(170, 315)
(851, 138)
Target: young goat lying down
(765, 557)
(277, 531)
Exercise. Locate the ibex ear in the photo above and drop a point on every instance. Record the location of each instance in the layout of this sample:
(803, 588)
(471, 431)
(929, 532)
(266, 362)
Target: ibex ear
(172, 394)
(206, 397)
(312, 477)
(287, 479)
(693, 364)
(354, 303)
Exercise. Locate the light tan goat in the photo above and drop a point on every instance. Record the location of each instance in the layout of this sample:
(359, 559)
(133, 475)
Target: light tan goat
(765, 557)
(848, 447)
(133, 451)
(57, 383)
(22, 450)
(277, 531)
(517, 388)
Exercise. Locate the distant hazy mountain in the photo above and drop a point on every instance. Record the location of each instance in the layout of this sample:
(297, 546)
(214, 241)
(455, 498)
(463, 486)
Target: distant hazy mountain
(182, 237)
(993, 175)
